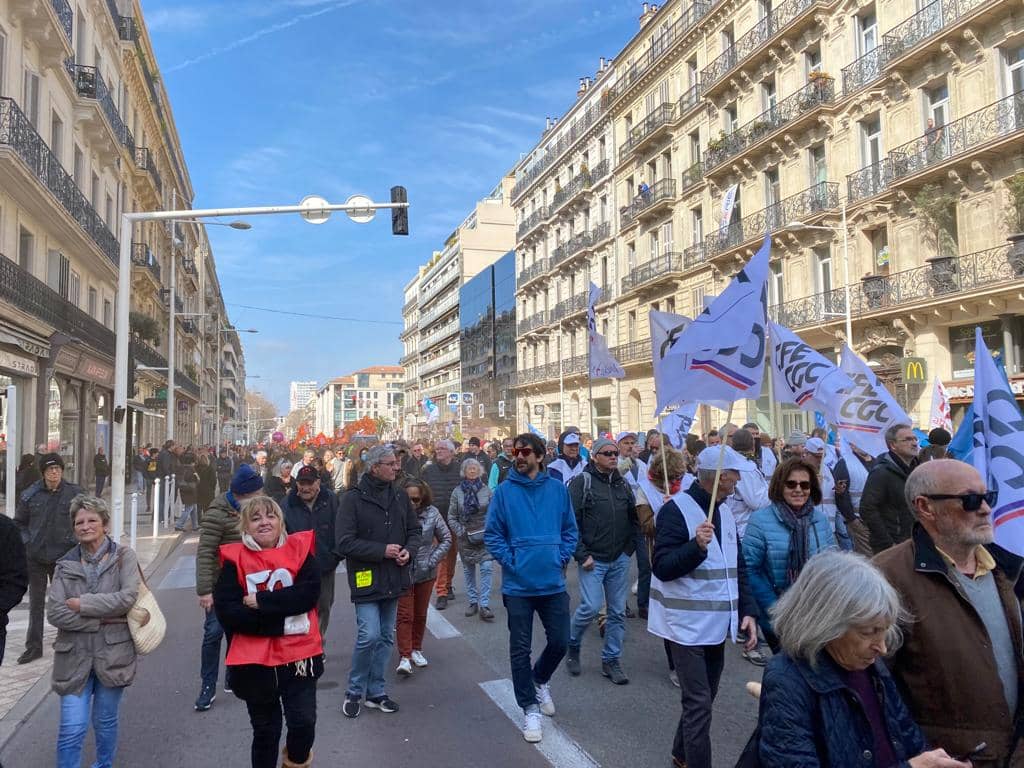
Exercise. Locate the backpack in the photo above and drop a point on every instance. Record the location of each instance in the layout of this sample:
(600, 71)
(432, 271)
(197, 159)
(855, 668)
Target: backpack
(151, 467)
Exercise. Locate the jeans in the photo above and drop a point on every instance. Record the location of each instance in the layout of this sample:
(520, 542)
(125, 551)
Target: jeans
(74, 722)
(483, 597)
(101, 481)
(605, 583)
(375, 637)
(140, 481)
(187, 511)
(700, 669)
(297, 696)
(553, 611)
(643, 570)
(39, 575)
(209, 669)
(412, 617)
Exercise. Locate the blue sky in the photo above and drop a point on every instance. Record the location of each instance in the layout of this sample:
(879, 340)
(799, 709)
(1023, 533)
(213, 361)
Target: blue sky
(276, 99)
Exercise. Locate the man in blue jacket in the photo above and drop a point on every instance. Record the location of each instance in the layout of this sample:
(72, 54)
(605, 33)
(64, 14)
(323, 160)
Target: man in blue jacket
(531, 532)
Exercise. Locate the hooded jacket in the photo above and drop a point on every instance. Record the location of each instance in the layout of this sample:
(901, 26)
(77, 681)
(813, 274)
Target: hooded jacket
(605, 515)
(531, 531)
(219, 525)
(43, 517)
(882, 505)
(321, 520)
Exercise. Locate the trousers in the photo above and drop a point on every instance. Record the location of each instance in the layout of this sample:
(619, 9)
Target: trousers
(553, 612)
(412, 617)
(296, 697)
(40, 574)
(100, 703)
(700, 669)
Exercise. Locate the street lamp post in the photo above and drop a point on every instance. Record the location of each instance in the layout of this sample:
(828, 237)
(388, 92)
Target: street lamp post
(798, 225)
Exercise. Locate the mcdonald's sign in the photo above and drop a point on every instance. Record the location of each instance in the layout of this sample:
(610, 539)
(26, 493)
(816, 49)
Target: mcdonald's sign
(915, 370)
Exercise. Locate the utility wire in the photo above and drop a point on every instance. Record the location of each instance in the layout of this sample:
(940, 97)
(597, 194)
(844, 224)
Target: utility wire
(317, 317)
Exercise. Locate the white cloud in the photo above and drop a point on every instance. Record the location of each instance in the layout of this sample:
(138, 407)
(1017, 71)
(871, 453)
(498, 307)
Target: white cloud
(181, 18)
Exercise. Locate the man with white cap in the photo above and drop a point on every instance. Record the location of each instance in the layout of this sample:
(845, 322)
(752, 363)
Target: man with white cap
(569, 462)
(700, 597)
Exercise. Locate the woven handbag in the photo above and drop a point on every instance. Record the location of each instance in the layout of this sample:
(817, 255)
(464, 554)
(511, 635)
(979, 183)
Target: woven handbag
(146, 621)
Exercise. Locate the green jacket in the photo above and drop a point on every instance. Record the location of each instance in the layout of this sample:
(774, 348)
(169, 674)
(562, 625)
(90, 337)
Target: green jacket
(218, 526)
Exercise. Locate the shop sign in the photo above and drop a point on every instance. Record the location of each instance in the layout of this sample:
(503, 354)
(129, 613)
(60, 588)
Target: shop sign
(959, 391)
(91, 369)
(915, 370)
(18, 364)
(538, 410)
(155, 403)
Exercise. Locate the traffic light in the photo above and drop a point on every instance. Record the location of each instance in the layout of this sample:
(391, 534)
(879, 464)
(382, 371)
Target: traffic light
(399, 216)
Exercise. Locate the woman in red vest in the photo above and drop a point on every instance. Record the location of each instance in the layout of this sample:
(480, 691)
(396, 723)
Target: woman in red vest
(266, 597)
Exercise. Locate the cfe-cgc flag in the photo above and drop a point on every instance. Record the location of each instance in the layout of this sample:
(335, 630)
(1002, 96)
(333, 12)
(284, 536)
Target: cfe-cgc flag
(999, 447)
(940, 416)
(602, 364)
(863, 413)
(676, 425)
(801, 375)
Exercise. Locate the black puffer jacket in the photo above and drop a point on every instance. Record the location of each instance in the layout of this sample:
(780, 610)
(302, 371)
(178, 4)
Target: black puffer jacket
(882, 505)
(371, 516)
(321, 520)
(44, 519)
(442, 481)
(605, 516)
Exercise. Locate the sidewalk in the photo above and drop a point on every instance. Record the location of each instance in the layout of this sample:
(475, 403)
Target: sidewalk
(23, 686)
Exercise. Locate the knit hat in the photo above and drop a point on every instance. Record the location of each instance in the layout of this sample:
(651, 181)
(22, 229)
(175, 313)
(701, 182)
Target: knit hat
(601, 444)
(796, 437)
(50, 460)
(246, 480)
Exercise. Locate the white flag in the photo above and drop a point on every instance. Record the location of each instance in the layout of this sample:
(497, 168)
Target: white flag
(728, 203)
(801, 375)
(941, 416)
(862, 414)
(999, 446)
(676, 425)
(602, 364)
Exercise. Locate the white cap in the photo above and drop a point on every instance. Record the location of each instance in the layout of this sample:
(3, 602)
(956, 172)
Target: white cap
(815, 445)
(623, 435)
(571, 439)
(708, 458)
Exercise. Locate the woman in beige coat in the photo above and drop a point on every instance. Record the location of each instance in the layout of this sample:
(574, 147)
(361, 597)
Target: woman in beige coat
(94, 586)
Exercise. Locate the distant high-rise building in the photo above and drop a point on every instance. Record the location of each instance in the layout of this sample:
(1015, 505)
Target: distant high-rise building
(301, 392)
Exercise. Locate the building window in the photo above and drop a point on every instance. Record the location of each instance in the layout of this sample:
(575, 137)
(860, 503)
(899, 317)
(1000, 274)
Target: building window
(697, 225)
(30, 97)
(823, 269)
(697, 300)
(695, 147)
(867, 32)
(871, 140)
(74, 288)
(3, 62)
(94, 194)
(818, 166)
(670, 305)
(57, 268)
(812, 60)
(937, 105)
(92, 302)
(776, 291)
(1013, 58)
(57, 136)
(79, 167)
(108, 313)
(769, 95)
(631, 325)
(730, 118)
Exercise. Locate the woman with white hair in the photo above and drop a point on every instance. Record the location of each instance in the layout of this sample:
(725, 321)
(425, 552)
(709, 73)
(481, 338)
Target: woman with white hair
(278, 486)
(828, 700)
(467, 515)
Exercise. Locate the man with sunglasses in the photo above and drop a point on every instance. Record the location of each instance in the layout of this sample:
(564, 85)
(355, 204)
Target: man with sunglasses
(608, 531)
(961, 665)
(883, 506)
(531, 532)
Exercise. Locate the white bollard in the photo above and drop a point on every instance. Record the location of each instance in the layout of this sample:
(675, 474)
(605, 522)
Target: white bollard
(156, 507)
(134, 525)
(172, 505)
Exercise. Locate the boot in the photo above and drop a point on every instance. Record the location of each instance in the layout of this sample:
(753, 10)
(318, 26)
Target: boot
(287, 763)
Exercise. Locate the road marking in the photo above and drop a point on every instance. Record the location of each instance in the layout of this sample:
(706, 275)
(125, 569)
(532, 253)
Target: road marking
(182, 575)
(439, 626)
(560, 749)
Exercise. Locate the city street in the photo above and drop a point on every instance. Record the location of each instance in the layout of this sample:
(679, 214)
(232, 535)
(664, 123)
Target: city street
(454, 713)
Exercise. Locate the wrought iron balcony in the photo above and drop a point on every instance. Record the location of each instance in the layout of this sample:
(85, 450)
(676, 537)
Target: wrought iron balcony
(819, 91)
(185, 382)
(570, 191)
(89, 84)
(188, 264)
(189, 326)
(655, 269)
(28, 293)
(570, 248)
(695, 255)
(569, 307)
(869, 181)
(600, 170)
(534, 321)
(944, 142)
(532, 221)
(648, 129)
(865, 69)
(535, 270)
(937, 280)
(817, 199)
(663, 190)
(143, 257)
(692, 176)
(17, 133)
(65, 14)
(126, 29)
(601, 232)
(633, 352)
(145, 161)
(753, 40)
(146, 355)
(410, 304)
(689, 100)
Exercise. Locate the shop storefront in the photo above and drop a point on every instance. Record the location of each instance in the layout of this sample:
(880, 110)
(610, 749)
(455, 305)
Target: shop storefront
(19, 371)
(78, 410)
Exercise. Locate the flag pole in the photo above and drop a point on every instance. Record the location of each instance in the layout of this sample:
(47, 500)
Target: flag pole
(664, 460)
(718, 470)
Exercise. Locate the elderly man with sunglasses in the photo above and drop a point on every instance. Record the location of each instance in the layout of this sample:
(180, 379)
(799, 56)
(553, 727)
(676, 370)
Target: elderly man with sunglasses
(961, 665)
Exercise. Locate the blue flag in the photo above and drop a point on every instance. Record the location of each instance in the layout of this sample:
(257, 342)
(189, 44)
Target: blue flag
(962, 445)
(536, 431)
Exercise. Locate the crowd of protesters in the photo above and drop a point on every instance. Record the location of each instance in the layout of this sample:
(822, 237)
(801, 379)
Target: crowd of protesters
(870, 588)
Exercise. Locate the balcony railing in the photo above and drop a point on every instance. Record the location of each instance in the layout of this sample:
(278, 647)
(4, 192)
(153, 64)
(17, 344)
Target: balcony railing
(535, 270)
(692, 176)
(656, 268)
(570, 248)
(440, 285)
(434, 364)
(17, 133)
(869, 181)
(569, 307)
(410, 304)
(944, 142)
(145, 161)
(534, 321)
(599, 171)
(601, 232)
(821, 197)
(941, 278)
(658, 118)
(432, 314)
(662, 190)
(819, 91)
(142, 256)
(66, 15)
(532, 221)
(694, 255)
(579, 127)
(146, 355)
(752, 40)
(570, 190)
(30, 294)
(183, 380)
(89, 83)
(689, 100)
(633, 352)
(438, 335)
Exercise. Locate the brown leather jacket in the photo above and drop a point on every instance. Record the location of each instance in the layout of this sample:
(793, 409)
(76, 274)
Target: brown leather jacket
(945, 667)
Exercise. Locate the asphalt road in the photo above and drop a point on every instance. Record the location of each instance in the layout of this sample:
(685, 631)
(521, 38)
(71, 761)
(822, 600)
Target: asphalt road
(453, 713)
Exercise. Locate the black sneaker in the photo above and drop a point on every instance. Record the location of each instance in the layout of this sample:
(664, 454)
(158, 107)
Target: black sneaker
(30, 655)
(207, 696)
(383, 703)
(572, 661)
(350, 707)
(442, 603)
(613, 671)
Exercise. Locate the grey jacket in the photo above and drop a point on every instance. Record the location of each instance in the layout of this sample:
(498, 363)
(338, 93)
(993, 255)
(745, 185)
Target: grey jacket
(44, 520)
(471, 554)
(430, 554)
(95, 639)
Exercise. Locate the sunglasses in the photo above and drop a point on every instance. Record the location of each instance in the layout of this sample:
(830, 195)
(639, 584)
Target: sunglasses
(971, 501)
(608, 453)
(803, 485)
(523, 452)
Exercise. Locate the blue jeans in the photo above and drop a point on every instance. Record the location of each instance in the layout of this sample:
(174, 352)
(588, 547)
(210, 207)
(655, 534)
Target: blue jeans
(101, 481)
(74, 722)
(553, 611)
(483, 597)
(187, 511)
(605, 583)
(375, 638)
(209, 669)
(643, 571)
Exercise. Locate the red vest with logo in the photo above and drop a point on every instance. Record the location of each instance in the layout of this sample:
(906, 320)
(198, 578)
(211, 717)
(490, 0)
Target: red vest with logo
(271, 569)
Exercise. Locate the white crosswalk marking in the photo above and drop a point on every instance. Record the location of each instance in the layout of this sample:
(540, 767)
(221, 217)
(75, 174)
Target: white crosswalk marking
(439, 626)
(182, 575)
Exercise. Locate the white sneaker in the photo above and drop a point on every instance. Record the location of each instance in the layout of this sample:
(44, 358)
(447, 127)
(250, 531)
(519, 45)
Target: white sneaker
(673, 677)
(419, 659)
(636, 587)
(404, 667)
(532, 727)
(547, 704)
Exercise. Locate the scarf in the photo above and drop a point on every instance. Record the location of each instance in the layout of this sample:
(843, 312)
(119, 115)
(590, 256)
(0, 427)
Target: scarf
(250, 542)
(799, 524)
(92, 563)
(470, 500)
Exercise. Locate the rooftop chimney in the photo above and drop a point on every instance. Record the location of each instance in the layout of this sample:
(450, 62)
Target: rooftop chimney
(583, 87)
(601, 65)
(647, 14)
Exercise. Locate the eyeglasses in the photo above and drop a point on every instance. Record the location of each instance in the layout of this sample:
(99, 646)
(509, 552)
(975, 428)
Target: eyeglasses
(523, 452)
(911, 439)
(971, 501)
(389, 463)
(608, 454)
(803, 485)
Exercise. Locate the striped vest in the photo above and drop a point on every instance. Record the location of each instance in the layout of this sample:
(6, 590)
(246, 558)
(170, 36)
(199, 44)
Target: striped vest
(701, 608)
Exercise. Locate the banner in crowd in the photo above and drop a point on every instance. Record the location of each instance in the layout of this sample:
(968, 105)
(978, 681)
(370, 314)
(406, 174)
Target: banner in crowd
(728, 203)
(803, 376)
(602, 364)
(940, 416)
(536, 431)
(863, 413)
(430, 410)
(999, 446)
(676, 425)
